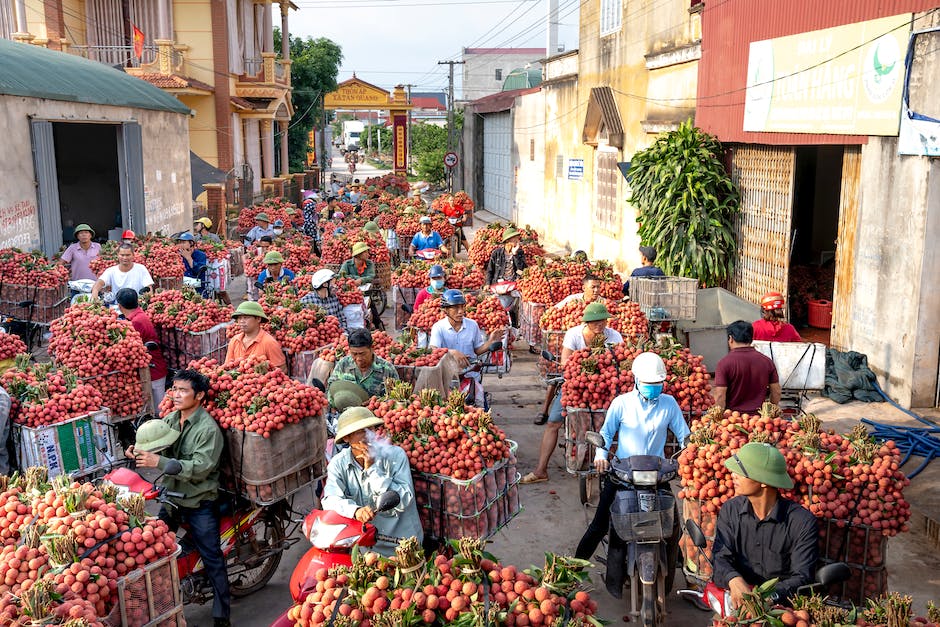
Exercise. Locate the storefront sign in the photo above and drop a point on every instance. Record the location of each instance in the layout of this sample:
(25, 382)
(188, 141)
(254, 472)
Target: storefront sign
(842, 80)
(355, 93)
(575, 169)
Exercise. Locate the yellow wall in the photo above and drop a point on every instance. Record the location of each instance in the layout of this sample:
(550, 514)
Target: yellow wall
(73, 11)
(618, 61)
(202, 135)
(36, 18)
(192, 24)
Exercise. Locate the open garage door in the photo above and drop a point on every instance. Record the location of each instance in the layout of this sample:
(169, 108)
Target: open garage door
(497, 164)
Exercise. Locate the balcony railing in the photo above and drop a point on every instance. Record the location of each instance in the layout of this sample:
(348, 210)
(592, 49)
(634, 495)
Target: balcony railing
(119, 55)
(253, 66)
(266, 69)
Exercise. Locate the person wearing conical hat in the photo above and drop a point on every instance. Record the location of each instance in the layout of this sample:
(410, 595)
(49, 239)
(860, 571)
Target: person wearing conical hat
(506, 264)
(359, 267)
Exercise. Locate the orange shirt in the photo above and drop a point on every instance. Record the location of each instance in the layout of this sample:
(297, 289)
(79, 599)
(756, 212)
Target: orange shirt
(264, 345)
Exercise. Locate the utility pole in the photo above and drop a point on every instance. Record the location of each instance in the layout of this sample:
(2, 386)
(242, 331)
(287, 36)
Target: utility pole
(451, 132)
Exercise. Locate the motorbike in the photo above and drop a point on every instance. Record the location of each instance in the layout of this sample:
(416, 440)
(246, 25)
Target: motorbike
(375, 302)
(333, 537)
(253, 538)
(713, 598)
(467, 382)
(642, 524)
(428, 254)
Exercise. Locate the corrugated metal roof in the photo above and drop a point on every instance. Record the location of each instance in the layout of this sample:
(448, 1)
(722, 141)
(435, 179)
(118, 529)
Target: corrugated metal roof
(34, 72)
(500, 101)
(729, 27)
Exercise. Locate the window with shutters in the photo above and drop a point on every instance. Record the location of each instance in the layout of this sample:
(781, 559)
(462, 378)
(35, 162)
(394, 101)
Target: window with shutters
(611, 16)
(607, 209)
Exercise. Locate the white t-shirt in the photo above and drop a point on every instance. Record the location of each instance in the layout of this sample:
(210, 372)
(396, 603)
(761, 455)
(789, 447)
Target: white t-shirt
(137, 278)
(574, 338)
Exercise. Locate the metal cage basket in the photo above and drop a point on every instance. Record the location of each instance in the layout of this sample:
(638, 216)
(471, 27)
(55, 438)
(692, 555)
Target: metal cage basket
(647, 526)
(665, 298)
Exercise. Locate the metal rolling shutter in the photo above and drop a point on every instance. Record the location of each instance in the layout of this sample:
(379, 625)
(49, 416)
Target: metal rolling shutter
(497, 164)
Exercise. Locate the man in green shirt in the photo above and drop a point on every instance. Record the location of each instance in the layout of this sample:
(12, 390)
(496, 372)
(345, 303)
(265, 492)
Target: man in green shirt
(362, 366)
(190, 436)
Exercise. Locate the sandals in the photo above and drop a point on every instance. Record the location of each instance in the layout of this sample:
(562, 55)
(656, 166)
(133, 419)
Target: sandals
(532, 478)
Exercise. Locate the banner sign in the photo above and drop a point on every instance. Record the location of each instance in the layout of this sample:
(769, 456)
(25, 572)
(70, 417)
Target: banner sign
(842, 80)
(400, 138)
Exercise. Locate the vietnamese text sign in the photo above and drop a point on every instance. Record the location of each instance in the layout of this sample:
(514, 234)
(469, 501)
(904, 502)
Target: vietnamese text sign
(356, 94)
(400, 138)
(841, 80)
(575, 169)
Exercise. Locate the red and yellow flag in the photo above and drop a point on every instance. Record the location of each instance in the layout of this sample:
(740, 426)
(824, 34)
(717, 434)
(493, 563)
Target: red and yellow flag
(138, 41)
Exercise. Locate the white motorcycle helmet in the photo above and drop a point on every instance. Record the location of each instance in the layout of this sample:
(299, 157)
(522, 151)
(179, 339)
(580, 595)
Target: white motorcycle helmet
(321, 277)
(649, 368)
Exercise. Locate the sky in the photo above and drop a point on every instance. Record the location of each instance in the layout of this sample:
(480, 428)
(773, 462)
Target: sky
(391, 42)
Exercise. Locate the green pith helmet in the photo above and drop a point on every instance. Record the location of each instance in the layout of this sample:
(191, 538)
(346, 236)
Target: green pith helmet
(250, 308)
(355, 419)
(761, 462)
(371, 227)
(155, 435)
(273, 257)
(510, 233)
(262, 217)
(595, 311)
(345, 394)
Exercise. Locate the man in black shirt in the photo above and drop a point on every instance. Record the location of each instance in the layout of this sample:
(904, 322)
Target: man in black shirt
(761, 535)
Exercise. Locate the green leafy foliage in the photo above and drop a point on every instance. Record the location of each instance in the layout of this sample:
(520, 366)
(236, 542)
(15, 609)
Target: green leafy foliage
(686, 203)
(314, 68)
(429, 143)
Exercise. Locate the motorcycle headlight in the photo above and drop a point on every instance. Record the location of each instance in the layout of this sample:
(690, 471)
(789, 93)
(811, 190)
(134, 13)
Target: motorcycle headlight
(645, 477)
(347, 542)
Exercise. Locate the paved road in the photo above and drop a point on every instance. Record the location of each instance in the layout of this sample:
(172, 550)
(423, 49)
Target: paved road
(363, 170)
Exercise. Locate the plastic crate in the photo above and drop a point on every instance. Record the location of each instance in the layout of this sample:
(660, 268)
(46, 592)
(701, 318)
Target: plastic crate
(383, 275)
(181, 347)
(579, 455)
(78, 447)
(149, 596)
(35, 312)
(11, 293)
(169, 283)
(300, 364)
(665, 298)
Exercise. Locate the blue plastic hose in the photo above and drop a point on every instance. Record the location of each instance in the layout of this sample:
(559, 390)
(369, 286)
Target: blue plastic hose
(920, 441)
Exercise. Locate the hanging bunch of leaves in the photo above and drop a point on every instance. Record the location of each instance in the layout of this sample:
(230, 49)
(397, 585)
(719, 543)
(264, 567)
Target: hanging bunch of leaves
(686, 203)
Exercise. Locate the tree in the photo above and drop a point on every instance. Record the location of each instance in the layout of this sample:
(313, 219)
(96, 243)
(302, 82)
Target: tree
(313, 72)
(686, 204)
(429, 144)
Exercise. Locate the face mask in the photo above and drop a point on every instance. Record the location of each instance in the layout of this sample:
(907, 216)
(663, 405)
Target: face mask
(650, 391)
(437, 284)
(278, 231)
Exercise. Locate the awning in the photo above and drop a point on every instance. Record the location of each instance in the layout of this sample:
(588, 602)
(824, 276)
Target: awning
(602, 115)
(203, 172)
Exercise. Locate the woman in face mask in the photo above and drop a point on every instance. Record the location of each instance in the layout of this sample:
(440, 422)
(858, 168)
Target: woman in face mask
(436, 286)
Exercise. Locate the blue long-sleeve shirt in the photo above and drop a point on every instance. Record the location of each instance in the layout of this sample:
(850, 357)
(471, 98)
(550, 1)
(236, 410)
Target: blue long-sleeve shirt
(641, 426)
(349, 487)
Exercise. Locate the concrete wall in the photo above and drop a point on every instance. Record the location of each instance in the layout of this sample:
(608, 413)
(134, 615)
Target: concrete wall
(528, 161)
(895, 257)
(165, 157)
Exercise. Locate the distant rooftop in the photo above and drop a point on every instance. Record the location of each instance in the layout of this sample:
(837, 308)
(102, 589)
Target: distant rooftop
(540, 51)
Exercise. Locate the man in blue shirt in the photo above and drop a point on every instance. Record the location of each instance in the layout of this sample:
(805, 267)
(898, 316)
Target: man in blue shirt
(194, 260)
(261, 228)
(275, 270)
(646, 269)
(640, 420)
(427, 238)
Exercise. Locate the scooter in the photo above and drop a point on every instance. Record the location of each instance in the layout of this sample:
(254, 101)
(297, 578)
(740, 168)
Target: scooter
(252, 538)
(333, 537)
(642, 521)
(466, 381)
(428, 254)
(713, 598)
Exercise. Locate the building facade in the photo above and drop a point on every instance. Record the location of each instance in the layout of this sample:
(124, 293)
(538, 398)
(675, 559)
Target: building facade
(832, 207)
(217, 57)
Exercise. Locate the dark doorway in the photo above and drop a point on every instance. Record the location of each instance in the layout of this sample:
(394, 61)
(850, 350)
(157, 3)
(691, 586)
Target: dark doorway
(816, 196)
(88, 176)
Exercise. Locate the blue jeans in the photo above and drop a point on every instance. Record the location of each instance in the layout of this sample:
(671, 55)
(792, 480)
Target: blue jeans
(202, 533)
(554, 412)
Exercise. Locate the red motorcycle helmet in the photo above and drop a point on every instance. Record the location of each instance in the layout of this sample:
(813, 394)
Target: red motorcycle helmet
(128, 234)
(772, 301)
